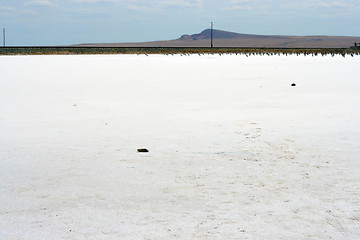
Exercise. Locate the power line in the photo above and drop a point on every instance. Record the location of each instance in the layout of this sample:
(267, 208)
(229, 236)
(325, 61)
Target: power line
(212, 45)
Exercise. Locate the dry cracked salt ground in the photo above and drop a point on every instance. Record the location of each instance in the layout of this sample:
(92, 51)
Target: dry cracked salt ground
(235, 151)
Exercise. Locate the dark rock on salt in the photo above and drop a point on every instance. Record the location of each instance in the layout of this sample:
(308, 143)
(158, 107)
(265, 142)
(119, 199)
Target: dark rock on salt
(142, 150)
(293, 85)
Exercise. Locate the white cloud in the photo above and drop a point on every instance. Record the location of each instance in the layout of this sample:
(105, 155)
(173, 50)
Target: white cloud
(239, 1)
(139, 4)
(83, 11)
(234, 5)
(144, 5)
(98, 1)
(290, 7)
(11, 11)
(321, 4)
(325, 4)
(40, 3)
(137, 7)
(7, 9)
(182, 3)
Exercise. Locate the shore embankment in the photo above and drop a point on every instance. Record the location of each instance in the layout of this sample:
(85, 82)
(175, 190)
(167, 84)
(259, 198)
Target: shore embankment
(71, 50)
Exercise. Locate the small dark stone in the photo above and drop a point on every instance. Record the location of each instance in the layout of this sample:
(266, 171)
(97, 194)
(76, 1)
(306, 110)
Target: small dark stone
(142, 150)
(293, 85)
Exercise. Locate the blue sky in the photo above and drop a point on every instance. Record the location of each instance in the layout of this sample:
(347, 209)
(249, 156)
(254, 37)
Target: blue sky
(62, 22)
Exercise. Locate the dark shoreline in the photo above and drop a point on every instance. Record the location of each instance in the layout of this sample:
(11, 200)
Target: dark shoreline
(66, 50)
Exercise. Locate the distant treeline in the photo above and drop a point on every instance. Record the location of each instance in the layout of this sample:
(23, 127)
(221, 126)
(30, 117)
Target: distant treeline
(176, 50)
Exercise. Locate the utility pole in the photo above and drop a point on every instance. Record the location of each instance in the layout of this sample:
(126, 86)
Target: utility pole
(4, 36)
(212, 45)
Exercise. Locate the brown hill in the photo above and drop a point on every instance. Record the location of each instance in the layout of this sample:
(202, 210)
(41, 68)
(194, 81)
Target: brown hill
(231, 39)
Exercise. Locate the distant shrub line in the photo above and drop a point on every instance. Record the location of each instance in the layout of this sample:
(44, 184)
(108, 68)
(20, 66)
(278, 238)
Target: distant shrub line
(177, 50)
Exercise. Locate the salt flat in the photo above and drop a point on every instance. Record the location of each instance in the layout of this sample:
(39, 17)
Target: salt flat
(235, 151)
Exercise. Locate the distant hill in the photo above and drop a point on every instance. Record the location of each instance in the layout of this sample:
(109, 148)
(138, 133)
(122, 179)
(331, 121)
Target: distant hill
(219, 34)
(206, 34)
(232, 39)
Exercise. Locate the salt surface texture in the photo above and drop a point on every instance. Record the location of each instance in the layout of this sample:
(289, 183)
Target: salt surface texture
(235, 151)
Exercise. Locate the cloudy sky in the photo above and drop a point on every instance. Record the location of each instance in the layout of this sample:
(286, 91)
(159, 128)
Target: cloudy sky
(59, 22)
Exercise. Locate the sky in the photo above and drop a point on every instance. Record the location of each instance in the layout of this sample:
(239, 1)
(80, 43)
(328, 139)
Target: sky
(64, 22)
